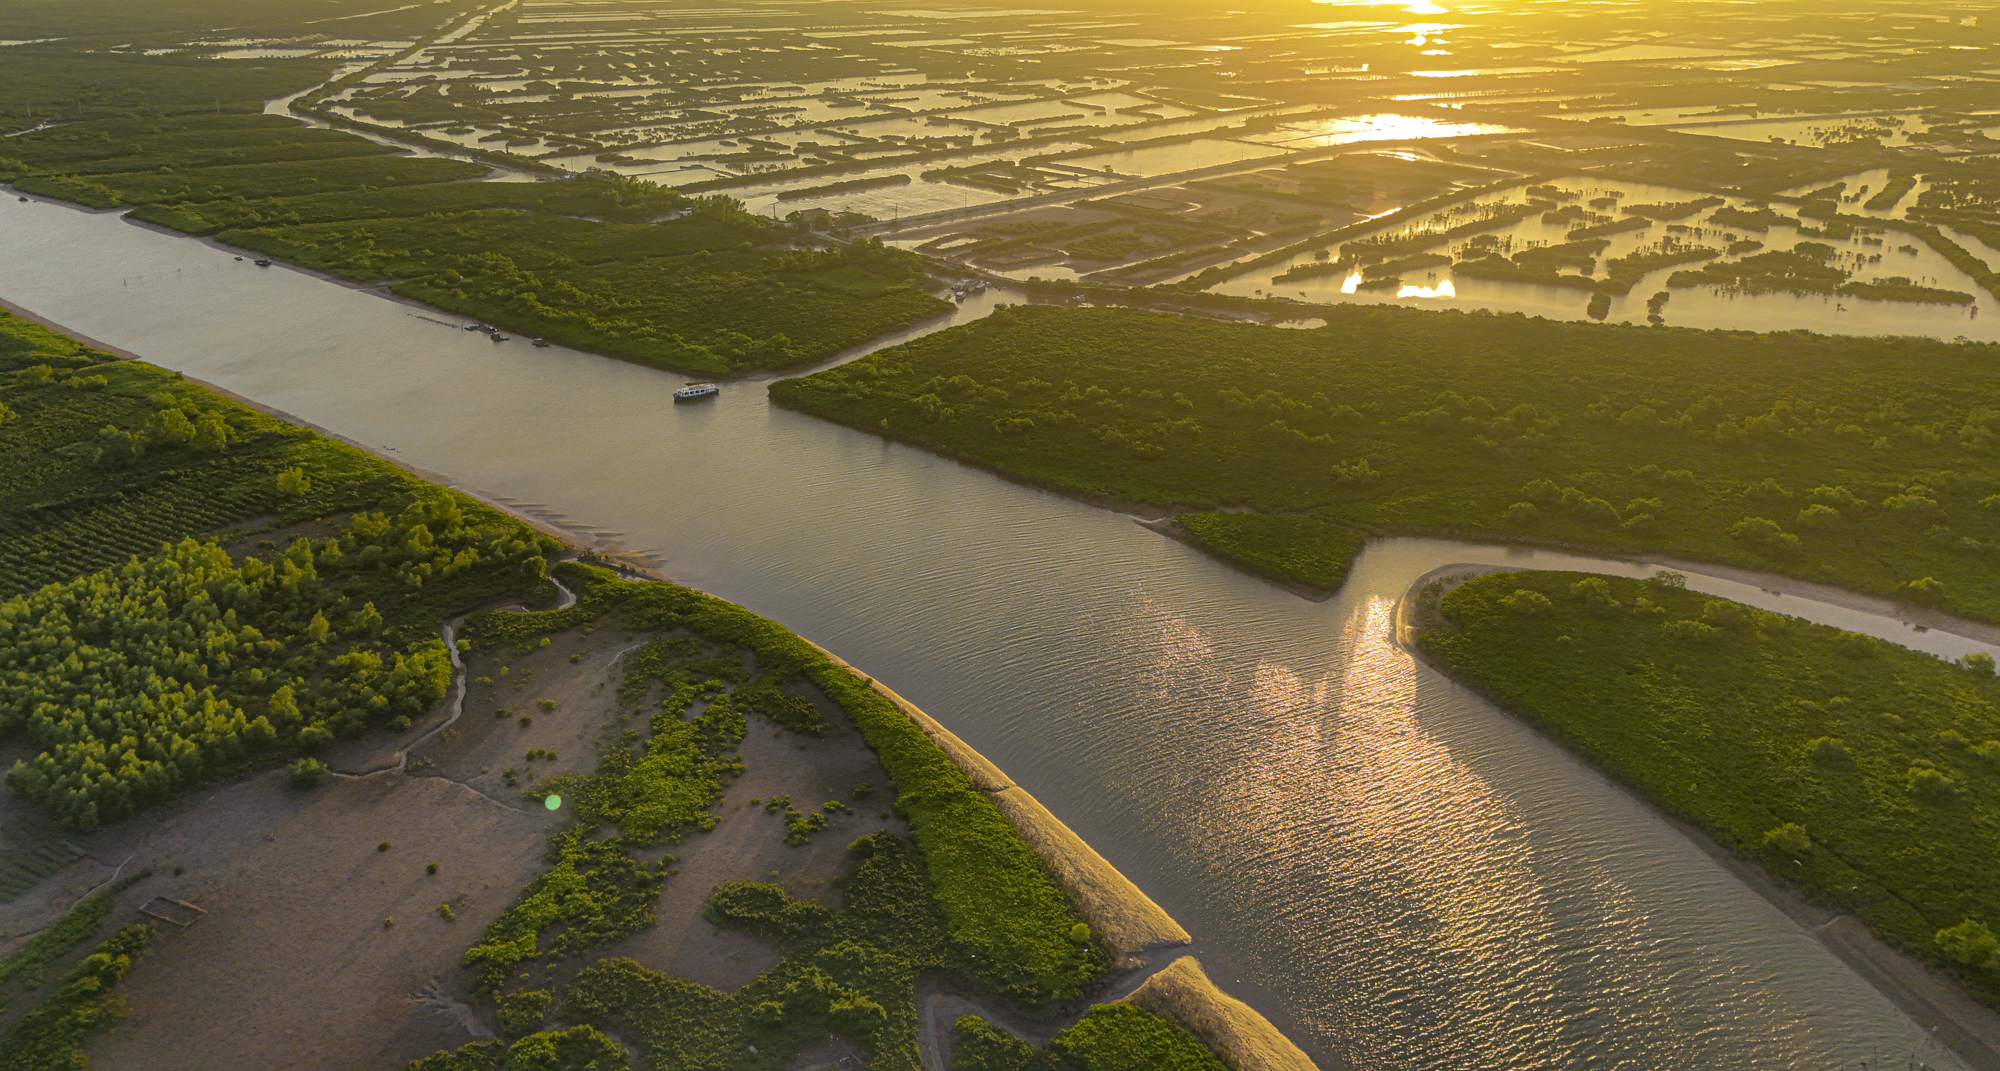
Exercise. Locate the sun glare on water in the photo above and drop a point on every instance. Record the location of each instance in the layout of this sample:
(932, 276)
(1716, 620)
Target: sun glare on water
(1442, 289)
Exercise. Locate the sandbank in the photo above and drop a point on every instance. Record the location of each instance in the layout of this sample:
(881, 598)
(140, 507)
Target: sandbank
(1233, 1030)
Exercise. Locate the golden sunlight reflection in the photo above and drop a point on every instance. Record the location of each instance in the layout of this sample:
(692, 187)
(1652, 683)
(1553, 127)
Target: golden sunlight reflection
(1351, 284)
(1421, 8)
(1321, 133)
(1340, 810)
(1442, 289)
(1397, 800)
(1340, 777)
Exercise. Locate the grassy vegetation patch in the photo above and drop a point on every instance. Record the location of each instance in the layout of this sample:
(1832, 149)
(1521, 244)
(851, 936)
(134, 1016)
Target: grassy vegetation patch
(581, 1048)
(1860, 462)
(1865, 774)
(1110, 1037)
(22, 969)
(1289, 547)
(851, 972)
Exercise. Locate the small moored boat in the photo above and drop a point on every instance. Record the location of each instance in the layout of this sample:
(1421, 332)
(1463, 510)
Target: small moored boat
(696, 391)
(541, 342)
(263, 263)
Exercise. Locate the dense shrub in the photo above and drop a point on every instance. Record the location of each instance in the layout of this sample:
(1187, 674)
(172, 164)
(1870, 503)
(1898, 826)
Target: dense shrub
(306, 773)
(524, 1009)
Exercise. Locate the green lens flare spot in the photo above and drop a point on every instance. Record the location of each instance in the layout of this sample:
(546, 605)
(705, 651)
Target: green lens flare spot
(552, 802)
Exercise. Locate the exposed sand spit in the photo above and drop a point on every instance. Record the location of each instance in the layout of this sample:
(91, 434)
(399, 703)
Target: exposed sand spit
(1233, 1030)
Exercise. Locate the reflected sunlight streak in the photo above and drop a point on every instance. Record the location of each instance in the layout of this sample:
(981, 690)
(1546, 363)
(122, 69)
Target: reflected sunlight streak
(1442, 289)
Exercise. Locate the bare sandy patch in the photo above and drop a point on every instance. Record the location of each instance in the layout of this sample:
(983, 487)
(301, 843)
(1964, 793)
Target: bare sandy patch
(748, 844)
(570, 707)
(298, 900)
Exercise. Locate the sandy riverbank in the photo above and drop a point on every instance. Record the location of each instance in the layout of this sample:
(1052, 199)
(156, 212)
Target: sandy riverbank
(1230, 1028)
(1931, 999)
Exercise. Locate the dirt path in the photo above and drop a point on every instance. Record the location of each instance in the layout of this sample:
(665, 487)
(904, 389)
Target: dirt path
(456, 710)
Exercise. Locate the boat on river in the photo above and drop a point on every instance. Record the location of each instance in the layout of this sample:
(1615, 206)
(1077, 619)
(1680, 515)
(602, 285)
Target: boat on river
(695, 392)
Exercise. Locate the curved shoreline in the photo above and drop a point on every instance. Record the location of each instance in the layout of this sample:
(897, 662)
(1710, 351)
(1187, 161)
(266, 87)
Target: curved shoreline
(1930, 999)
(1159, 519)
(1130, 922)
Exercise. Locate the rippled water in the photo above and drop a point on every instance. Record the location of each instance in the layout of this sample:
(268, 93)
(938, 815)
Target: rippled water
(1396, 873)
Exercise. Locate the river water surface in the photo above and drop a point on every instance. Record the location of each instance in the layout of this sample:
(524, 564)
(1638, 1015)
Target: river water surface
(1396, 873)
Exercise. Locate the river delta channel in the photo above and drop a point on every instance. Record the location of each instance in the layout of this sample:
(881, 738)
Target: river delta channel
(1399, 875)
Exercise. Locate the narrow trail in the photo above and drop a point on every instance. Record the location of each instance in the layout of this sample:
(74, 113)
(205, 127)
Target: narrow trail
(449, 631)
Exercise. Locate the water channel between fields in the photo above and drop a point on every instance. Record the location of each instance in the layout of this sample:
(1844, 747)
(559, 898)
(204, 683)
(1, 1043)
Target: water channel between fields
(1396, 873)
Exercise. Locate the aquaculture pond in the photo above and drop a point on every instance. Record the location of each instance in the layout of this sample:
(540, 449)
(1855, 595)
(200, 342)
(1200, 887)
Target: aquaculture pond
(1392, 870)
(1590, 234)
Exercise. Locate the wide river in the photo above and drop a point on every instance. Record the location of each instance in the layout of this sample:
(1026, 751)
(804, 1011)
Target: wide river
(1392, 870)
